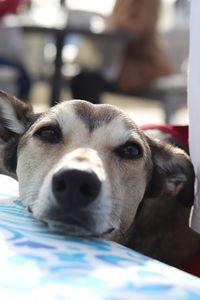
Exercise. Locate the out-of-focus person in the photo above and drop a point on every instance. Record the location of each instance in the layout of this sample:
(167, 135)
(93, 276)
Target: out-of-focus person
(141, 60)
(11, 50)
(10, 6)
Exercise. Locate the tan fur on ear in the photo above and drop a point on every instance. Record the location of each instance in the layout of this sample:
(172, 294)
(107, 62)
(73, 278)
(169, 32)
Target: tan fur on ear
(14, 115)
(173, 173)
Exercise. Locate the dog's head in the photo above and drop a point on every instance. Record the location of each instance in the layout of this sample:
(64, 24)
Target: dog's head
(84, 168)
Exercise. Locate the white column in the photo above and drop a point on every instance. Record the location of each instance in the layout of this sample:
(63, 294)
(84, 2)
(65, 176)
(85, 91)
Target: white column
(194, 105)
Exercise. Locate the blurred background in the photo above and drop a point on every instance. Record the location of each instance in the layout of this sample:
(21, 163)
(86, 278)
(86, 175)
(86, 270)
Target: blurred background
(29, 35)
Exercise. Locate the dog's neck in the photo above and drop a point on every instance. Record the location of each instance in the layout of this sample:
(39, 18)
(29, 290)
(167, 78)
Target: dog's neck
(162, 231)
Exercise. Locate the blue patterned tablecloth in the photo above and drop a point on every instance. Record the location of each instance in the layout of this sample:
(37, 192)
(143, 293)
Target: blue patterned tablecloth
(38, 264)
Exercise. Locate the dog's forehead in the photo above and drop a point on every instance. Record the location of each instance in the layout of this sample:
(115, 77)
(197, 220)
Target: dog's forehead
(95, 116)
(87, 123)
(92, 116)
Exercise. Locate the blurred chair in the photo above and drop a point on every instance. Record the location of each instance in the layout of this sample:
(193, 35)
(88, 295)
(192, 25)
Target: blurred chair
(14, 77)
(173, 89)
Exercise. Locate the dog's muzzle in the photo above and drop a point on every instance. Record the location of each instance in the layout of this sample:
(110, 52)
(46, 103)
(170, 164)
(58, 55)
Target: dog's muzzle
(75, 196)
(75, 189)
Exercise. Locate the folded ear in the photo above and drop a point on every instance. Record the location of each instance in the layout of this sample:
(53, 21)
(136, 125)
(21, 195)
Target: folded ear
(14, 116)
(173, 173)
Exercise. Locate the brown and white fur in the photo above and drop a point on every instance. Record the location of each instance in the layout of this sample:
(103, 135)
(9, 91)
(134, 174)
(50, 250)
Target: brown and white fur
(87, 170)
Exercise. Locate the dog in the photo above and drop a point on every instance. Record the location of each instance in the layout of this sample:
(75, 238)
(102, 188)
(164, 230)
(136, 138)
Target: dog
(87, 170)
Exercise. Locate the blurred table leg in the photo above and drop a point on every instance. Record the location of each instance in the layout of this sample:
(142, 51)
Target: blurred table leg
(57, 75)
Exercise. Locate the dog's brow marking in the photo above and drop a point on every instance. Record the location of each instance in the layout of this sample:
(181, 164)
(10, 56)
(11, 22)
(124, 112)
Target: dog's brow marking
(119, 132)
(94, 119)
(64, 114)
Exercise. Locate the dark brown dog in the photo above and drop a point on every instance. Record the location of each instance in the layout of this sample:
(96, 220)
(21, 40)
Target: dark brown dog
(161, 226)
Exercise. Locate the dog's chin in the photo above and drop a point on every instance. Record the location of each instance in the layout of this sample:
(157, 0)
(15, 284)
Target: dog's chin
(76, 230)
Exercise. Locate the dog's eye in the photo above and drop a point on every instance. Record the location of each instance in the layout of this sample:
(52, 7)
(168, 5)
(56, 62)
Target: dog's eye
(50, 134)
(129, 150)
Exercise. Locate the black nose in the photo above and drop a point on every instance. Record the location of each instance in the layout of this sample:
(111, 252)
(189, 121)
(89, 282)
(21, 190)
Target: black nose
(74, 188)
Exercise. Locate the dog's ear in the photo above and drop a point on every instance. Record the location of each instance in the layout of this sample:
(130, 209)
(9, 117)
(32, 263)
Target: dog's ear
(173, 174)
(14, 117)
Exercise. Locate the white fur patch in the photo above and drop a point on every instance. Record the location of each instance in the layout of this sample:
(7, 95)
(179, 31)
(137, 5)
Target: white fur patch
(65, 117)
(115, 133)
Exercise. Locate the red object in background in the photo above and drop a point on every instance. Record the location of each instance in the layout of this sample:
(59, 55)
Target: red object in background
(9, 6)
(178, 132)
(192, 266)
